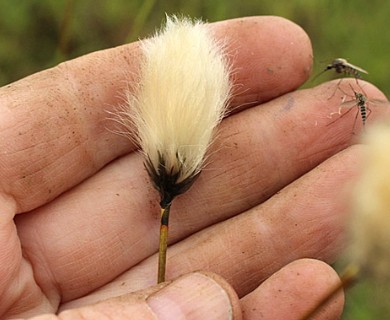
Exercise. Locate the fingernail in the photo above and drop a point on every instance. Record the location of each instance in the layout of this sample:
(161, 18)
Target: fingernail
(193, 296)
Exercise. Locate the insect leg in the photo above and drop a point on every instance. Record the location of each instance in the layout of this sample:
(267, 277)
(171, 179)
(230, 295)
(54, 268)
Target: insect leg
(337, 87)
(354, 122)
(339, 113)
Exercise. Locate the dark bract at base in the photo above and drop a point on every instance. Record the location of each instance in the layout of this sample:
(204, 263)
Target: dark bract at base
(165, 180)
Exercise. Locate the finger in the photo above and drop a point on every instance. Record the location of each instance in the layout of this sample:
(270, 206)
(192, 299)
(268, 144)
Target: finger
(58, 118)
(305, 219)
(292, 291)
(194, 296)
(262, 69)
(124, 230)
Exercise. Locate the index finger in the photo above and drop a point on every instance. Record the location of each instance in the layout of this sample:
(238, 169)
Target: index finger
(54, 127)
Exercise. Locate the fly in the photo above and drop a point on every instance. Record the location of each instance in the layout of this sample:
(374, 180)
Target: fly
(341, 65)
(360, 101)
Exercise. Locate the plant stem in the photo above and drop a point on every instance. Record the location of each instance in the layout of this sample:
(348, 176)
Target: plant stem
(162, 255)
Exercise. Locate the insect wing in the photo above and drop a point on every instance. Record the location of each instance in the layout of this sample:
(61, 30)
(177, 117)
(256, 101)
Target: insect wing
(352, 66)
(349, 104)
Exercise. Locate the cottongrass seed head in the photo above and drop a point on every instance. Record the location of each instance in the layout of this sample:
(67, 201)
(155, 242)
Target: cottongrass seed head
(370, 222)
(181, 97)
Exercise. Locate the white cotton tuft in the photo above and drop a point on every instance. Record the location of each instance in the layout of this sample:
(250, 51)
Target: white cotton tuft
(370, 223)
(182, 95)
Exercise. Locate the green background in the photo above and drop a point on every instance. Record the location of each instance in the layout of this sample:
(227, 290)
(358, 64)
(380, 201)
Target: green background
(38, 34)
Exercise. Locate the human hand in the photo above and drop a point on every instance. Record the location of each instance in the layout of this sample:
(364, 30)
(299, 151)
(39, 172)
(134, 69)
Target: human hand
(87, 218)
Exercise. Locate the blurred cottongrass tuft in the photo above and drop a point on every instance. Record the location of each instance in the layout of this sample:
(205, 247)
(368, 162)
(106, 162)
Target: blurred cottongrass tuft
(369, 225)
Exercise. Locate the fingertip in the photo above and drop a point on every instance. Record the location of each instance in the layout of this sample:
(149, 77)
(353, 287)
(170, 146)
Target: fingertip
(232, 294)
(199, 295)
(293, 290)
(271, 56)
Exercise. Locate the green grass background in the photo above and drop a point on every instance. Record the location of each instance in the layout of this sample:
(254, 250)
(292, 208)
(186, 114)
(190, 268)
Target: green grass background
(38, 34)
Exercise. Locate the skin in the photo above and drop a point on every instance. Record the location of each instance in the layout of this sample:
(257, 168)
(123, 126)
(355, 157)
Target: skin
(80, 220)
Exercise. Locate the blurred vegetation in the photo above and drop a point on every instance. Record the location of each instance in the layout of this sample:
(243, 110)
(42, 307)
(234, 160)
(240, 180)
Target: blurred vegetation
(38, 34)
(367, 301)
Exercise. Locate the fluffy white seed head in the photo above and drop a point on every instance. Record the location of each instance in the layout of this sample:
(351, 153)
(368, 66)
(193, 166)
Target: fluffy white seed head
(370, 223)
(183, 90)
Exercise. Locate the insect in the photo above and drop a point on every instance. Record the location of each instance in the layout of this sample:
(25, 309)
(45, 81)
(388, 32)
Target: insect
(359, 100)
(342, 66)
(361, 103)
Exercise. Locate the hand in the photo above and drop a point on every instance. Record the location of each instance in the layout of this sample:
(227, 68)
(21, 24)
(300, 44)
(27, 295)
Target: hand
(80, 219)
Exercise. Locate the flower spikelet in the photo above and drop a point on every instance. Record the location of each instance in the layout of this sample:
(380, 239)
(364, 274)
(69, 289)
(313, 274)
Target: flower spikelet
(183, 91)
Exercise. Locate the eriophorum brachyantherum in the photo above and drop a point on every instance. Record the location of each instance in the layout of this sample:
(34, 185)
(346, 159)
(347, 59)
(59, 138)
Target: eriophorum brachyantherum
(183, 90)
(182, 93)
(369, 248)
